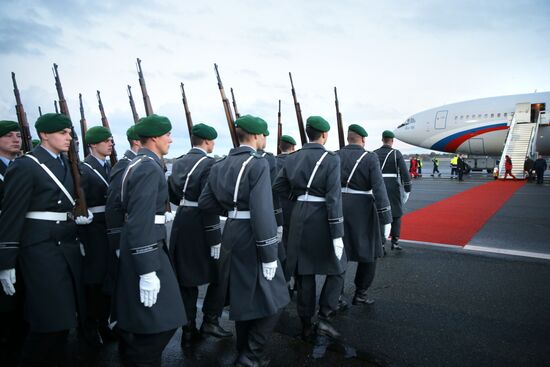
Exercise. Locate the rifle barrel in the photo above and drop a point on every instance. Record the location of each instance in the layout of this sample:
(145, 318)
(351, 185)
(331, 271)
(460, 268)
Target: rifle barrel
(26, 138)
(188, 117)
(339, 122)
(279, 129)
(83, 127)
(132, 105)
(146, 99)
(105, 123)
(298, 109)
(227, 110)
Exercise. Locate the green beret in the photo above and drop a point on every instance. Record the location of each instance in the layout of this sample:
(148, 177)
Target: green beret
(35, 142)
(289, 139)
(204, 132)
(97, 134)
(264, 124)
(152, 126)
(8, 126)
(251, 125)
(388, 134)
(358, 130)
(52, 122)
(131, 133)
(318, 123)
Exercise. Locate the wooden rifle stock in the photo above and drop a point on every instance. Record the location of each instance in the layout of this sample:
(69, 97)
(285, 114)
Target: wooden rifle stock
(81, 208)
(187, 113)
(299, 117)
(227, 109)
(237, 114)
(279, 129)
(132, 105)
(83, 127)
(339, 123)
(146, 99)
(105, 123)
(26, 138)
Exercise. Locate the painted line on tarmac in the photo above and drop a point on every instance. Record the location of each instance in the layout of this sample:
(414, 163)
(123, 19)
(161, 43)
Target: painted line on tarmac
(444, 245)
(496, 250)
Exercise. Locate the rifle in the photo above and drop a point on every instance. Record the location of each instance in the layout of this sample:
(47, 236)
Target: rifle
(237, 114)
(39, 111)
(133, 105)
(279, 129)
(55, 106)
(227, 109)
(146, 99)
(81, 208)
(341, 139)
(298, 113)
(187, 112)
(105, 123)
(83, 127)
(22, 118)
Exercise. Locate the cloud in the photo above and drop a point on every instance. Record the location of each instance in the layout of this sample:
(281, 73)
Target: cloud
(26, 36)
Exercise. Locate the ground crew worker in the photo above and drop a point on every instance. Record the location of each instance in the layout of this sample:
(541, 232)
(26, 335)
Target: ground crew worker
(287, 145)
(95, 181)
(395, 173)
(508, 167)
(453, 163)
(195, 240)
(114, 215)
(540, 167)
(12, 332)
(435, 169)
(238, 186)
(147, 301)
(39, 235)
(419, 165)
(315, 246)
(366, 209)
(413, 167)
(460, 167)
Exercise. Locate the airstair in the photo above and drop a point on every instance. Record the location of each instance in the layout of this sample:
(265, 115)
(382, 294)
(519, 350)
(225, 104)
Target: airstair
(521, 140)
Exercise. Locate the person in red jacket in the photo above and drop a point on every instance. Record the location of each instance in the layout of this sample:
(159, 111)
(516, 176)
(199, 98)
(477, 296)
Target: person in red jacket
(414, 167)
(508, 168)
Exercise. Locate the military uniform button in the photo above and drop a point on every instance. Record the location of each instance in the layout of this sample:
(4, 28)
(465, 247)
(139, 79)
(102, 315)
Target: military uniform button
(56, 222)
(58, 243)
(59, 202)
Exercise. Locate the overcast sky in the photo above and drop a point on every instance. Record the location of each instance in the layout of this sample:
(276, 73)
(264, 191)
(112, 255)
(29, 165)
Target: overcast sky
(389, 59)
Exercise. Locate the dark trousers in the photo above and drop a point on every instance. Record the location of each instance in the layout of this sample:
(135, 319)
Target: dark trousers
(435, 169)
(395, 231)
(44, 349)
(143, 350)
(540, 176)
(460, 174)
(215, 298)
(13, 330)
(190, 296)
(364, 275)
(252, 336)
(98, 306)
(328, 300)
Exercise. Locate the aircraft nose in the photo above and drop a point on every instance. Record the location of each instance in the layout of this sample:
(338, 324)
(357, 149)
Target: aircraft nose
(403, 131)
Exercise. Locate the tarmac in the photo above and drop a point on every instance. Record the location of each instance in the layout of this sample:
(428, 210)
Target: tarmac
(436, 305)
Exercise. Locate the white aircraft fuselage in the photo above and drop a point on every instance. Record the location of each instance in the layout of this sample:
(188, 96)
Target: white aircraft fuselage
(476, 127)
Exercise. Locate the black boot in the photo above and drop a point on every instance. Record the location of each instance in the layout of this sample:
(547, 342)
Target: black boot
(325, 327)
(361, 298)
(342, 304)
(190, 335)
(308, 328)
(211, 327)
(395, 244)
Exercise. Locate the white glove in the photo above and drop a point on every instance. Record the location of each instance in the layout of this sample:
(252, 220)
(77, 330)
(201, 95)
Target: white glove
(269, 269)
(149, 287)
(387, 230)
(117, 252)
(82, 250)
(279, 233)
(406, 197)
(82, 220)
(169, 216)
(338, 247)
(7, 278)
(215, 251)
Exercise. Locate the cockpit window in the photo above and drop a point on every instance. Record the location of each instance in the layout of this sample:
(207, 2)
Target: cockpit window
(410, 120)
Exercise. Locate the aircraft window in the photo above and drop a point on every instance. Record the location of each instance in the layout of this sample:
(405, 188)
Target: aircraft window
(467, 116)
(485, 115)
(456, 117)
(461, 117)
(505, 114)
(492, 115)
(498, 114)
(479, 116)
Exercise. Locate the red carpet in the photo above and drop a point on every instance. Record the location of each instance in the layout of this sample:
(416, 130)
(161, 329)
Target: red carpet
(456, 220)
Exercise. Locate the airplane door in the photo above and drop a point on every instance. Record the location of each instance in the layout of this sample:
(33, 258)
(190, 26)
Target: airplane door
(440, 119)
(477, 146)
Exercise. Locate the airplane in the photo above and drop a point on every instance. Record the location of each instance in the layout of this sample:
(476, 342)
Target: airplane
(476, 127)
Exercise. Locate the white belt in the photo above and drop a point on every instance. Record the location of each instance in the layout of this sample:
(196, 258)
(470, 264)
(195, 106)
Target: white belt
(53, 216)
(185, 202)
(97, 209)
(389, 175)
(239, 214)
(160, 219)
(311, 198)
(347, 190)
